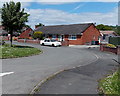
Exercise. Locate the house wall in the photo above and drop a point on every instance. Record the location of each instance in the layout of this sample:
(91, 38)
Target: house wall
(76, 42)
(91, 34)
(25, 34)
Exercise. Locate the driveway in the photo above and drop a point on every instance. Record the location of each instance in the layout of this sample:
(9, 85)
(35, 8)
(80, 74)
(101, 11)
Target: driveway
(24, 73)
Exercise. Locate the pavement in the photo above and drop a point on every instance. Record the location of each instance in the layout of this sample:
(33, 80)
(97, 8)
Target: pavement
(84, 46)
(21, 75)
(83, 79)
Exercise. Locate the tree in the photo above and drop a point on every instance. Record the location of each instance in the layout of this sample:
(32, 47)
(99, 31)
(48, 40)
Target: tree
(39, 25)
(104, 27)
(13, 18)
(117, 30)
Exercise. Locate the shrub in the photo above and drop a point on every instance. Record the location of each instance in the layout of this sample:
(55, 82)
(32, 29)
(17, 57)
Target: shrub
(111, 45)
(38, 35)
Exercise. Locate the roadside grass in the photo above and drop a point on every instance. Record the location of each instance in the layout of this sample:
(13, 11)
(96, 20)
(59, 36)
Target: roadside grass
(17, 51)
(111, 84)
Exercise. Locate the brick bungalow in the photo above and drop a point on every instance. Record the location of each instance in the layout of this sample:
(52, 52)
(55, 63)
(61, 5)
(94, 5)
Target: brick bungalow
(26, 33)
(74, 34)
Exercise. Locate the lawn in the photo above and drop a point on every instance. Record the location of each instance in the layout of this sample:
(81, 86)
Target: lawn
(111, 84)
(17, 51)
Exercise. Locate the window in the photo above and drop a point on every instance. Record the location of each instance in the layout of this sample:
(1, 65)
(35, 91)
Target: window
(53, 36)
(46, 40)
(72, 37)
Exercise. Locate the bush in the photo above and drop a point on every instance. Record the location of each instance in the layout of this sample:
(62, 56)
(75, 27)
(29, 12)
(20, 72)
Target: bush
(114, 40)
(111, 45)
(38, 35)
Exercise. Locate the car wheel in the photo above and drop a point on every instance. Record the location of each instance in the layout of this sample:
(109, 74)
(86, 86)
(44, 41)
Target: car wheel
(53, 45)
(42, 44)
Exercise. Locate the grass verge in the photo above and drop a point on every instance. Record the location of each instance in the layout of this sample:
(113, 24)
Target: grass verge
(111, 84)
(17, 51)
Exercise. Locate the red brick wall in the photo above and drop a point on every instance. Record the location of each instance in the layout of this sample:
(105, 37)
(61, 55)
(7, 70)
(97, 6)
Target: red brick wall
(65, 43)
(76, 42)
(118, 50)
(29, 41)
(33, 41)
(21, 40)
(89, 34)
(109, 49)
(25, 34)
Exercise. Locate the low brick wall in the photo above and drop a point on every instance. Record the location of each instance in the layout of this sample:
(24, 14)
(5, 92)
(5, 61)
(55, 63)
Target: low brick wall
(118, 50)
(65, 43)
(29, 41)
(33, 41)
(109, 49)
(21, 40)
(6, 38)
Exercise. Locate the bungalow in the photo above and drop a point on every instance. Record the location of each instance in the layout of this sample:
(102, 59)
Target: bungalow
(74, 34)
(26, 33)
(105, 36)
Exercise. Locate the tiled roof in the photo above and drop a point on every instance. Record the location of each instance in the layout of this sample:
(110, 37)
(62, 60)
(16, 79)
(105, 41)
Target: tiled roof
(107, 32)
(72, 29)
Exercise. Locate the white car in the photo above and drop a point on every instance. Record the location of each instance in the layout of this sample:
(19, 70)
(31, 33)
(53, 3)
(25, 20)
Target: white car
(50, 42)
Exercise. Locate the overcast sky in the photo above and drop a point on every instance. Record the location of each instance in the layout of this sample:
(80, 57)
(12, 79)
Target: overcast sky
(69, 12)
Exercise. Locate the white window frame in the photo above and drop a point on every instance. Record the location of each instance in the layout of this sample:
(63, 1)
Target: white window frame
(72, 37)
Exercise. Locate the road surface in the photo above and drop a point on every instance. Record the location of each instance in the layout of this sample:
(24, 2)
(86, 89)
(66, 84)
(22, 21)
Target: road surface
(27, 72)
(81, 80)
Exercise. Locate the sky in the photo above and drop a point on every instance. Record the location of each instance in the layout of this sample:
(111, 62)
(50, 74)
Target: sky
(71, 12)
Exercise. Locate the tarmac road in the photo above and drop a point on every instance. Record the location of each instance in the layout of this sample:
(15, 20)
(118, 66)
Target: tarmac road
(23, 74)
(81, 80)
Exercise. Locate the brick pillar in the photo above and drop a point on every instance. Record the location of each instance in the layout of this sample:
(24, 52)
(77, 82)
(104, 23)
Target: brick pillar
(118, 50)
(101, 47)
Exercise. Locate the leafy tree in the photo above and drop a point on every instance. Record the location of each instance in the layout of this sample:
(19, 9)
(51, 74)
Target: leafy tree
(13, 17)
(117, 30)
(40, 24)
(104, 27)
(27, 26)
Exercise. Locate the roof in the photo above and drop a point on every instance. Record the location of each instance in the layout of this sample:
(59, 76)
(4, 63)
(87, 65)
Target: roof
(107, 32)
(73, 29)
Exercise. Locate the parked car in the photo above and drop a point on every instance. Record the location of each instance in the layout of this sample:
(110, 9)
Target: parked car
(50, 42)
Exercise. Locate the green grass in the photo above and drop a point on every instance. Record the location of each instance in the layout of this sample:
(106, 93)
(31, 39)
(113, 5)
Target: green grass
(17, 51)
(111, 84)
